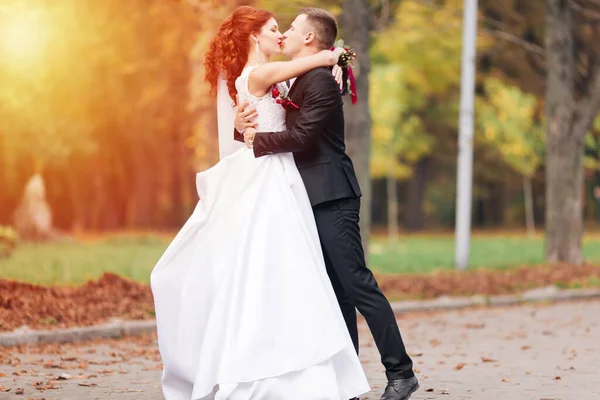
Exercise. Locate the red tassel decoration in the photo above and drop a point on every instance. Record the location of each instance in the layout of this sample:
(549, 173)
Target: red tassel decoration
(353, 94)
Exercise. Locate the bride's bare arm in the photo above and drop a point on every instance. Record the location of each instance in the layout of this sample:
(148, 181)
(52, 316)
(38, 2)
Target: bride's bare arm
(266, 75)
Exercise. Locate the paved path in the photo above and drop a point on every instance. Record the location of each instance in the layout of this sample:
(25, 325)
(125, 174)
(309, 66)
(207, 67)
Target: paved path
(549, 352)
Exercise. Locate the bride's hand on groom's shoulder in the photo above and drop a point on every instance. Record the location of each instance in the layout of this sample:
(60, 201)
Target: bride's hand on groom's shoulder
(332, 56)
(338, 74)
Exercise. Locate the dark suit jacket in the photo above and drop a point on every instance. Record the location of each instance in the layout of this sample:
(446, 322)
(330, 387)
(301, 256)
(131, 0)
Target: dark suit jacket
(315, 135)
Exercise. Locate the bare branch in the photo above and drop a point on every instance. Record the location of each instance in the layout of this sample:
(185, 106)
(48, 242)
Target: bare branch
(588, 15)
(509, 37)
(595, 2)
(536, 65)
(501, 31)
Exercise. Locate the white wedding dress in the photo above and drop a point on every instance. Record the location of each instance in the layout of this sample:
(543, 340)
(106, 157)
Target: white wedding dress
(244, 307)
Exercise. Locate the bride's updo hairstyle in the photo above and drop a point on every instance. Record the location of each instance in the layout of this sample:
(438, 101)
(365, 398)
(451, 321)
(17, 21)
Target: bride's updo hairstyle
(228, 51)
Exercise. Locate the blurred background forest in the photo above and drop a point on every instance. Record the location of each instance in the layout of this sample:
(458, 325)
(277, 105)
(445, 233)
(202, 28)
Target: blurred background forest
(106, 101)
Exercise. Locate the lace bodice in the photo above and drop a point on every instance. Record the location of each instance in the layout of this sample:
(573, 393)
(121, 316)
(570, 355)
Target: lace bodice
(271, 116)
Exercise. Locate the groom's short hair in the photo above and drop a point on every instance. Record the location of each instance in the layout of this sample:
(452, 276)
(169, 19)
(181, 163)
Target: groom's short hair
(323, 24)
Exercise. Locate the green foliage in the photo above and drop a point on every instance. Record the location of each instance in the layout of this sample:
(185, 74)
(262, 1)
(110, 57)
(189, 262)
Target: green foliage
(507, 119)
(398, 136)
(424, 46)
(427, 42)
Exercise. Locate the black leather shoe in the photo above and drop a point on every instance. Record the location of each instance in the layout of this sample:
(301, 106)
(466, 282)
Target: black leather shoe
(400, 389)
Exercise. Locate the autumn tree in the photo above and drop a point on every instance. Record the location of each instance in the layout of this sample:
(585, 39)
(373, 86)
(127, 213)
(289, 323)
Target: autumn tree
(508, 122)
(425, 41)
(104, 110)
(399, 140)
(562, 49)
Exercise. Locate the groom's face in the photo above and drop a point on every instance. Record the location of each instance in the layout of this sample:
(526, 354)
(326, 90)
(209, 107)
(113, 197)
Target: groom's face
(294, 38)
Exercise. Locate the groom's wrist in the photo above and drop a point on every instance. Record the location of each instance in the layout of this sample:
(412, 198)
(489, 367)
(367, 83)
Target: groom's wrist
(251, 138)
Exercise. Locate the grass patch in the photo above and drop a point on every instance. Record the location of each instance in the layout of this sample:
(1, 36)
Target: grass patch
(420, 254)
(76, 262)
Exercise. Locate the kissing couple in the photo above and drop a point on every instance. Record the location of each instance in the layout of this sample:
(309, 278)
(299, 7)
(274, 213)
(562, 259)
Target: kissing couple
(256, 296)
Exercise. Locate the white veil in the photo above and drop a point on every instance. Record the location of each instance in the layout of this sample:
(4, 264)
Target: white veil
(225, 121)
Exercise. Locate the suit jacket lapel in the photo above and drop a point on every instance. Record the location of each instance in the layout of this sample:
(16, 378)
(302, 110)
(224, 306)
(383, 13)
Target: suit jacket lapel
(294, 85)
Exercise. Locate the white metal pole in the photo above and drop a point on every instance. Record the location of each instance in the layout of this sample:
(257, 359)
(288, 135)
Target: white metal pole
(464, 179)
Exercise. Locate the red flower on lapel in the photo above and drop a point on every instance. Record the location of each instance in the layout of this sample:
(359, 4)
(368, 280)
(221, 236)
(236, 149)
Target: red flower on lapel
(283, 99)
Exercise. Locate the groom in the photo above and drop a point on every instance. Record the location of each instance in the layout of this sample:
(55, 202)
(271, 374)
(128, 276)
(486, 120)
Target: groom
(315, 135)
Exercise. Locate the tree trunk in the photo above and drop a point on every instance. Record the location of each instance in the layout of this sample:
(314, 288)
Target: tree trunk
(355, 24)
(564, 138)
(392, 207)
(528, 194)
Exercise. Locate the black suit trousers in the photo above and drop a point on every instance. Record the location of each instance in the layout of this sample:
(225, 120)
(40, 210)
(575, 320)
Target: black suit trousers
(355, 286)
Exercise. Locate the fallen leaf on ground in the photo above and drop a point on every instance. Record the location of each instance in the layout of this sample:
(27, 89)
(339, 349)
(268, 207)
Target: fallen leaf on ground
(459, 366)
(488, 360)
(475, 326)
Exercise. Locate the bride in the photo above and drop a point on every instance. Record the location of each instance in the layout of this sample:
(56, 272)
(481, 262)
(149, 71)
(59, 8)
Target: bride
(244, 307)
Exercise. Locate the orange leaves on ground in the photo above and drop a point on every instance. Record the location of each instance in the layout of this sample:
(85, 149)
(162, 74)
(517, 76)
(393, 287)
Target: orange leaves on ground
(484, 282)
(111, 296)
(41, 307)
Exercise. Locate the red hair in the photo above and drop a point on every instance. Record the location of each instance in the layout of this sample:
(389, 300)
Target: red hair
(228, 51)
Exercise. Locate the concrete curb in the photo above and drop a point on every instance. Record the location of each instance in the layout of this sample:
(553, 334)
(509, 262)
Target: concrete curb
(545, 294)
(120, 328)
(113, 329)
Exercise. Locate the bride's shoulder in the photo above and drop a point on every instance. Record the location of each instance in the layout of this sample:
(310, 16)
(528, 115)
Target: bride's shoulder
(247, 71)
(244, 75)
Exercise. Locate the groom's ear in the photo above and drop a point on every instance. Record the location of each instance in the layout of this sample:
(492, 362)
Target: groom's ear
(309, 38)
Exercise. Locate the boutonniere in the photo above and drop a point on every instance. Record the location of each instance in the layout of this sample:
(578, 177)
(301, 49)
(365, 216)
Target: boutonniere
(283, 99)
(344, 63)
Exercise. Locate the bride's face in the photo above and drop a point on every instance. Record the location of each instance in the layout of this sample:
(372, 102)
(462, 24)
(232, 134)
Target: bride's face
(269, 38)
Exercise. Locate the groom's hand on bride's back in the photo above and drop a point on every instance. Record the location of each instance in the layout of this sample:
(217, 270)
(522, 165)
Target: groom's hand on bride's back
(245, 117)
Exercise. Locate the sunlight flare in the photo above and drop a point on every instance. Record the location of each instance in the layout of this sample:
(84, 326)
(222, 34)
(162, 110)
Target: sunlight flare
(23, 36)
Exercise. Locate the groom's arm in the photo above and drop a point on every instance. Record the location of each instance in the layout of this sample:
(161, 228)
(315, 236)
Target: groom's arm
(320, 100)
